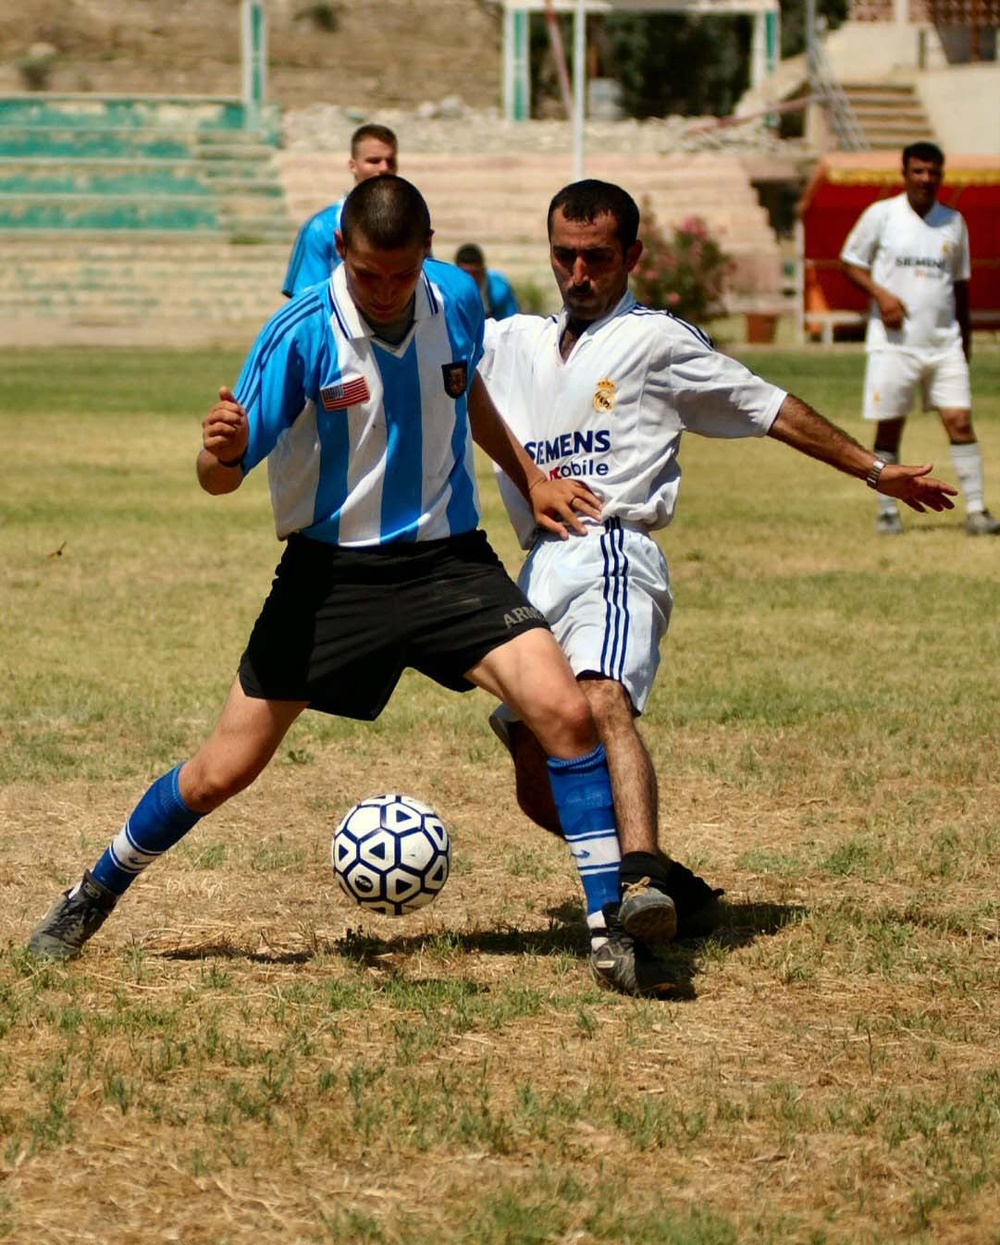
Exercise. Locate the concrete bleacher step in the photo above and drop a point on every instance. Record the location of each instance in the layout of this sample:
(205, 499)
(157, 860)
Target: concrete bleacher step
(122, 218)
(890, 113)
(501, 204)
(140, 163)
(204, 288)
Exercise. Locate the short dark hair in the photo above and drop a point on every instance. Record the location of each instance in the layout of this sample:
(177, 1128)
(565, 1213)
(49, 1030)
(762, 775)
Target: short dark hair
(923, 151)
(389, 211)
(470, 254)
(586, 200)
(371, 130)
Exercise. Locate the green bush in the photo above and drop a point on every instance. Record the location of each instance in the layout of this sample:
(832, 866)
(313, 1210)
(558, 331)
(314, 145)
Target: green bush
(685, 273)
(532, 299)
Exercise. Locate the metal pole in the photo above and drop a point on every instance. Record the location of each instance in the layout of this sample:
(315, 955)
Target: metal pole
(579, 85)
(516, 70)
(811, 42)
(254, 39)
(559, 56)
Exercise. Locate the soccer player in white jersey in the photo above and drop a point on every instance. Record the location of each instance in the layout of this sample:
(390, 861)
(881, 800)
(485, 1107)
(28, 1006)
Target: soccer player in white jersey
(363, 396)
(602, 394)
(374, 153)
(910, 254)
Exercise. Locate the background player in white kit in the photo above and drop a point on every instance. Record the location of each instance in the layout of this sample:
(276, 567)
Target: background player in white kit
(910, 254)
(601, 394)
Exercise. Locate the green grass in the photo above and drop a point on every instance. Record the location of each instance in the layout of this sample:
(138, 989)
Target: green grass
(241, 1057)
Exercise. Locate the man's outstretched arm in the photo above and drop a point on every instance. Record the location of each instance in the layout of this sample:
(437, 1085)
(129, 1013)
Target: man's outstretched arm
(805, 430)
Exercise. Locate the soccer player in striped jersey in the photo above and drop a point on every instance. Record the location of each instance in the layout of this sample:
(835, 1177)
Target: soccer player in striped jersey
(363, 396)
(374, 152)
(602, 394)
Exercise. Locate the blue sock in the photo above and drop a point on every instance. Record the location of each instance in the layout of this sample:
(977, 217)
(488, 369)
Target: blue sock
(159, 820)
(582, 792)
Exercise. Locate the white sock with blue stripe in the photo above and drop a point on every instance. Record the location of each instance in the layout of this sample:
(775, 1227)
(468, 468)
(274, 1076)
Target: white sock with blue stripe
(581, 789)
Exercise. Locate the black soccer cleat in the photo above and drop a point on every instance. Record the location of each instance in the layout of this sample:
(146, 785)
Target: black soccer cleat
(647, 913)
(630, 967)
(73, 919)
(699, 910)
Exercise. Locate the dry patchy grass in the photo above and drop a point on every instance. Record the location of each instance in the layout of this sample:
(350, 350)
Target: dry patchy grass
(241, 1057)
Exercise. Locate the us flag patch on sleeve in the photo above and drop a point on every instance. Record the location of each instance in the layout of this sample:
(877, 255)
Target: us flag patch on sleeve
(348, 393)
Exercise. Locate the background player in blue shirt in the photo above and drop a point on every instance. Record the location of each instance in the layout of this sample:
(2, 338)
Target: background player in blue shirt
(363, 396)
(374, 152)
(499, 299)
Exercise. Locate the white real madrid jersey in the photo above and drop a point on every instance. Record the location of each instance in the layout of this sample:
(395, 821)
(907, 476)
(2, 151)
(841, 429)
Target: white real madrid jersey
(612, 414)
(917, 258)
(366, 442)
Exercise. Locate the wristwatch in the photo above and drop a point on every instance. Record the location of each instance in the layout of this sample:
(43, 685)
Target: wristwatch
(877, 467)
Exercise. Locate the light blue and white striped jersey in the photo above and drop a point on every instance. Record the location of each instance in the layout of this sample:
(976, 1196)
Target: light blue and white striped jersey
(367, 443)
(314, 255)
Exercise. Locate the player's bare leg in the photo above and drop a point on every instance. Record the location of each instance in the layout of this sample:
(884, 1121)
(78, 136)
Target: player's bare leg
(697, 904)
(633, 778)
(244, 740)
(533, 677)
(531, 779)
(644, 869)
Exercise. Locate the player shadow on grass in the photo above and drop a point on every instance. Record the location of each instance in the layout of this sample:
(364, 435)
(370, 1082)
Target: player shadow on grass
(565, 934)
(742, 924)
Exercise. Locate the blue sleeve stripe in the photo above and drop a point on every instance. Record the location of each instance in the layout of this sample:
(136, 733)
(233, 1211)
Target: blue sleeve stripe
(703, 337)
(276, 329)
(431, 296)
(340, 319)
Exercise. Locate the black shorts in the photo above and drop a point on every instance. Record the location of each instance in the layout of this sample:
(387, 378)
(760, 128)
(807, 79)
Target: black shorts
(340, 626)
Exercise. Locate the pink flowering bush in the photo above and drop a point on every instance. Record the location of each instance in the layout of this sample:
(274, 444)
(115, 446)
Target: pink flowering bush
(685, 273)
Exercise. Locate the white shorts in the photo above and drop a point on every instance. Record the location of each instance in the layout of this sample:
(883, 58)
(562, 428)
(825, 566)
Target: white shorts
(607, 598)
(893, 377)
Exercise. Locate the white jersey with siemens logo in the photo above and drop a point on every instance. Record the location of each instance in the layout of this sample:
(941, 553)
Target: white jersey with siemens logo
(918, 259)
(612, 414)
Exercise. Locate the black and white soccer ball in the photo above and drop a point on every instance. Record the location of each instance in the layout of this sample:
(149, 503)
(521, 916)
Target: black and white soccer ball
(391, 854)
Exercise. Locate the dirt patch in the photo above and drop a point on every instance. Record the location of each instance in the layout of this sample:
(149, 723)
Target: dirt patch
(347, 52)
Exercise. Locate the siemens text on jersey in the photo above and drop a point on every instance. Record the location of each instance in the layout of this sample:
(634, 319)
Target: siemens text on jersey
(567, 443)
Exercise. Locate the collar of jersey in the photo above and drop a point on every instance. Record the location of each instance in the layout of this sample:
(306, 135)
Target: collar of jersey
(626, 303)
(351, 322)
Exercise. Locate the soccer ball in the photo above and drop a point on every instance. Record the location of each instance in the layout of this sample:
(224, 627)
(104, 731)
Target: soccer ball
(391, 854)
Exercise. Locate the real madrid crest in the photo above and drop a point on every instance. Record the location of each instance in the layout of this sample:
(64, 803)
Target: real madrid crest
(605, 396)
